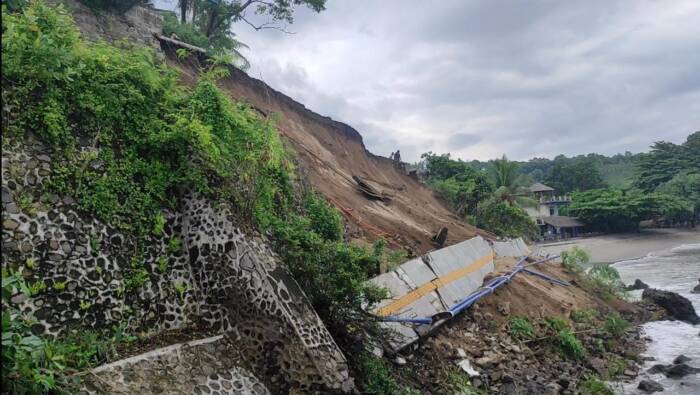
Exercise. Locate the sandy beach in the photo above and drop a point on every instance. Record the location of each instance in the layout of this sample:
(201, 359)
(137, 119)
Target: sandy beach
(623, 246)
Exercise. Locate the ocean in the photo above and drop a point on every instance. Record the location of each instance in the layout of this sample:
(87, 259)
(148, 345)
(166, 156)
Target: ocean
(675, 270)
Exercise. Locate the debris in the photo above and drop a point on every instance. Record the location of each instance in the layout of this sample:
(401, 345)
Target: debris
(440, 237)
(468, 369)
(369, 190)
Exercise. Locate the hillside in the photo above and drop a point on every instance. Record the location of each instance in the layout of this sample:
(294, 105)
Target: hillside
(330, 153)
(157, 239)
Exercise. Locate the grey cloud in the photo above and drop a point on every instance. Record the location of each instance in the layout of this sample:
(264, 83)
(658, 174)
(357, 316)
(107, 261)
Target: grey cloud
(482, 78)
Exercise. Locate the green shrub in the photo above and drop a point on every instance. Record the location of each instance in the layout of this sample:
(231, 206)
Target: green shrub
(575, 258)
(569, 345)
(607, 280)
(376, 377)
(615, 325)
(616, 367)
(521, 328)
(174, 245)
(32, 364)
(594, 386)
(505, 220)
(557, 323)
(585, 316)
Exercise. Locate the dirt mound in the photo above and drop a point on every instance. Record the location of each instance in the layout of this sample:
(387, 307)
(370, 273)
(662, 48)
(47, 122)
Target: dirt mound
(506, 365)
(330, 153)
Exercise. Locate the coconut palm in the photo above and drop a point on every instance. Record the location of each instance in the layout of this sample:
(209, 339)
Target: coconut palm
(510, 186)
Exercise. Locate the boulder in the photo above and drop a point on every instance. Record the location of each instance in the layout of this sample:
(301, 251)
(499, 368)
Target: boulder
(676, 305)
(680, 370)
(682, 359)
(657, 369)
(650, 386)
(696, 290)
(638, 284)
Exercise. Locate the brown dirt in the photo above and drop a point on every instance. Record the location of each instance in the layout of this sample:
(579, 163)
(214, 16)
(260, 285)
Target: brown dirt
(482, 333)
(330, 153)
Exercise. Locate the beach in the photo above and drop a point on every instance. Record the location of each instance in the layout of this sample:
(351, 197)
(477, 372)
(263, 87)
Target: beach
(617, 247)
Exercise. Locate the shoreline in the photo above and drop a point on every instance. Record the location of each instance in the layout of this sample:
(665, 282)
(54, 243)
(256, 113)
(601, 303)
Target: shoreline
(618, 247)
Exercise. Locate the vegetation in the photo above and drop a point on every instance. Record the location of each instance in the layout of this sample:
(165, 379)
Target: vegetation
(208, 23)
(594, 386)
(491, 199)
(152, 139)
(33, 364)
(585, 316)
(569, 345)
(377, 377)
(521, 328)
(615, 325)
(617, 210)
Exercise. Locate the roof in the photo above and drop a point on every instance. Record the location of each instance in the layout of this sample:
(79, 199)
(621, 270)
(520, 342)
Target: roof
(560, 221)
(539, 187)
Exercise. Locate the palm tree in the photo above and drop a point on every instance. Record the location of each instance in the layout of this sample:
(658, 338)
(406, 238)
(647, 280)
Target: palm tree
(509, 184)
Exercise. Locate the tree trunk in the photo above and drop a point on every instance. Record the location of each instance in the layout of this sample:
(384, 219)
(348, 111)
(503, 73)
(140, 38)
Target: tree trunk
(184, 5)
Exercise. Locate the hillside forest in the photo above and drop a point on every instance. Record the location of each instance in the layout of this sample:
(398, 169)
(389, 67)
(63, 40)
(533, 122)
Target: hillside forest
(608, 193)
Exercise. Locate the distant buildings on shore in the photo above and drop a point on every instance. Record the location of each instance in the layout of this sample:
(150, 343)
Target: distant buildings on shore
(546, 213)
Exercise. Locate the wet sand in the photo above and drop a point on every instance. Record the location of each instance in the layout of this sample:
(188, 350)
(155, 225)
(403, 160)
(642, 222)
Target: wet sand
(617, 247)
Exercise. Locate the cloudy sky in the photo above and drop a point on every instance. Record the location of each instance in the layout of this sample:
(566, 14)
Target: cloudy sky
(483, 78)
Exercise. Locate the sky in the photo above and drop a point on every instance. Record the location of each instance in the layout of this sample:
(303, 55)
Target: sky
(479, 79)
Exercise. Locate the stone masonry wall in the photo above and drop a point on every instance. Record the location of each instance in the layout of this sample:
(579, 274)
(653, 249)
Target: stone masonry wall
(219, 276)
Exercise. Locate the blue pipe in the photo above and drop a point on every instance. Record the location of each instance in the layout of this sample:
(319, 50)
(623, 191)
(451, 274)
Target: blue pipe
(478, 294)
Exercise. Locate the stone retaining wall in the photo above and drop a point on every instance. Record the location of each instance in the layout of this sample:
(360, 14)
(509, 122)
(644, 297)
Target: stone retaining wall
(219, 276)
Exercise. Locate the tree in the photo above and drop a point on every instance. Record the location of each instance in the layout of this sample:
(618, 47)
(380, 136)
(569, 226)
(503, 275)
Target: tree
(211, 21)
(667, 159)
(574, 175)
(505, 220)
(462, 186)
(510, 184)
(617, 210)
(685, 186)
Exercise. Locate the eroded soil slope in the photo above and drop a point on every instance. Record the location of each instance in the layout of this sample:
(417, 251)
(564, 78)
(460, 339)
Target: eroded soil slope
(331, 153)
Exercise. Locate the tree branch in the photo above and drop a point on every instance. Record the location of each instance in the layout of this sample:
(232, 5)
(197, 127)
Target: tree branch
(266, 25)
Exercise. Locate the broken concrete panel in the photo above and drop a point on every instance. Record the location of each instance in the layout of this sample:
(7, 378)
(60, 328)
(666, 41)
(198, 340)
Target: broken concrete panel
(513, 247)
(427, 286)
(461, 268)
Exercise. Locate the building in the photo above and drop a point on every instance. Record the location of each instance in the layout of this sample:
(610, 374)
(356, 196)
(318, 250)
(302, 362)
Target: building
(546, 213)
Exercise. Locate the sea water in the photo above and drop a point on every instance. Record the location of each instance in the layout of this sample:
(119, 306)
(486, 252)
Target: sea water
(675, 270)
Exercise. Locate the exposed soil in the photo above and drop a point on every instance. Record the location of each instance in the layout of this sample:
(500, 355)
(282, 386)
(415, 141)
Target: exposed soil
(330, 153)
(482, 336)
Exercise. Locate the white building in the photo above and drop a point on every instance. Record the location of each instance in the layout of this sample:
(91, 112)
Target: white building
(546, 213)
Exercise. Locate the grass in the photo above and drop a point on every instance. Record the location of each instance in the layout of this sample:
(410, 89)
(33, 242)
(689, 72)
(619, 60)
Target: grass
(615, 326)
(592, 385)
(521, 328)
(568, 345)
(584, 316)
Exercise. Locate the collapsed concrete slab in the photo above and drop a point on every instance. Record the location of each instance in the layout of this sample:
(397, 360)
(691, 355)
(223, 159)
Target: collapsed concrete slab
(424, 289)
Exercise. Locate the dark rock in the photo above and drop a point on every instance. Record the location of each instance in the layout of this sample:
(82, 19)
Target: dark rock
(676, 305)
(680, 370)
(650, 386)
(696, 290)
(682, 359)
(638, 284)
(656, 369)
